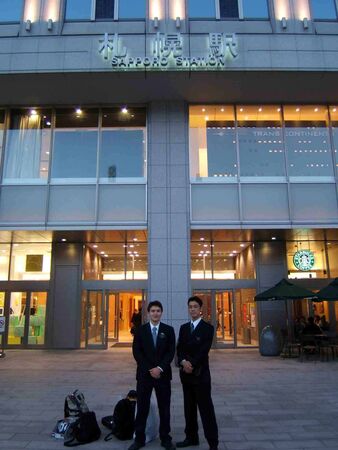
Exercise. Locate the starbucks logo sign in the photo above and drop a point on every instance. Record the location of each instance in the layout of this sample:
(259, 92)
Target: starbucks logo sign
(304, 260)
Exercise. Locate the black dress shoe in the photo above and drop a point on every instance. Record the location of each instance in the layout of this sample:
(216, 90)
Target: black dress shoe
(135, 446)
(213, 448)
(188, 443)
(168, 445)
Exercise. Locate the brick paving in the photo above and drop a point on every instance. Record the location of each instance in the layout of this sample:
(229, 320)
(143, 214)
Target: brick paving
(261, 403)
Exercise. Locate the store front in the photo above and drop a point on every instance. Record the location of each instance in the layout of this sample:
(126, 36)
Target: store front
(108, 317)
(233, 314)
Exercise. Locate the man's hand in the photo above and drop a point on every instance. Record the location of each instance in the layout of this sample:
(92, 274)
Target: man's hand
(155, 372)
(187, 367)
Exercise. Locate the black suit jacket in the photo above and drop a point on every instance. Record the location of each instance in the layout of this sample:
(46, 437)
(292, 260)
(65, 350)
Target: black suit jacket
(148, 357)
(194, 347)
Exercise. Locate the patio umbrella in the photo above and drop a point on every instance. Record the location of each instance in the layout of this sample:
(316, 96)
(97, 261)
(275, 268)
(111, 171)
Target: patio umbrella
(284, 291)
(329, 293)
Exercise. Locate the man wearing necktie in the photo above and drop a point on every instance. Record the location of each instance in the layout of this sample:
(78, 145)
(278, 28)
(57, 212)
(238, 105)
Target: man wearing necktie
(193, 346)
(153, 350)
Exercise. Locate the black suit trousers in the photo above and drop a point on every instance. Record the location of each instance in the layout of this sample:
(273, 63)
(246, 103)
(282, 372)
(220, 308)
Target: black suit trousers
(199, 396)
(144, 389)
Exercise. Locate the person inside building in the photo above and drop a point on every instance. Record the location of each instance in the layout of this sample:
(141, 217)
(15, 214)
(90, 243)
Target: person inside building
(136, 321)
(311, 328)
(324, 324)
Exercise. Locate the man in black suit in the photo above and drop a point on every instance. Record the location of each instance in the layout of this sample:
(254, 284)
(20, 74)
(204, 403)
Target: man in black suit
(194, 342)
(153, 350)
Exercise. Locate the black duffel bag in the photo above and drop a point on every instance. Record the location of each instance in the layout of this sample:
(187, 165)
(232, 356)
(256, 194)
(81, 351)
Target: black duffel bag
(83, 431)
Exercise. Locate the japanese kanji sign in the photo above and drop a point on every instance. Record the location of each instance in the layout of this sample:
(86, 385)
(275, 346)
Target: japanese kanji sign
(168, 53)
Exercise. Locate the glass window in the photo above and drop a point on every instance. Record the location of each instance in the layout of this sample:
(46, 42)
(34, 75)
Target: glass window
(37, 318)
(324, 9)
(246, 317)
(30, 261)
(306, 259)
(17, 319)
(260, 141)
(334, 123)
(132, 9)
(307, 141)
(125, 260)
(202, 9)
(104, 9)
(5, 250)
(28, 146)
(2, 127)
(75, 144)
(11, 10)
(212, 143)
(123, 144)
(229, 9)
(257, 9)
(78, 9)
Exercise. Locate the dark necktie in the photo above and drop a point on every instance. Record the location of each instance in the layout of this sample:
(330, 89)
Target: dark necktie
(154, 333)
(192, 328)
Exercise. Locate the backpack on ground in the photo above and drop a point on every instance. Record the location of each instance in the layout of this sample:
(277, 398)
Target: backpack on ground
(83, 431)
(75, 404)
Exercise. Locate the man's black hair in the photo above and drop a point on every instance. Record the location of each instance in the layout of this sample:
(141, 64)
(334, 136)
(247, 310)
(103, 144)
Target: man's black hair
(196, 299)
(155, 303)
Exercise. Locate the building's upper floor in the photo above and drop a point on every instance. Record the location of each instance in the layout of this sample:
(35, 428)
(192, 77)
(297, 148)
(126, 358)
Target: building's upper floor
(64, 17)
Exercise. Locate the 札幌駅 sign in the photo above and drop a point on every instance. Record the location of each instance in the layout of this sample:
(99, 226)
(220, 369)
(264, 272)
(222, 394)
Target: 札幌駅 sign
(167, 53)
(304, 260)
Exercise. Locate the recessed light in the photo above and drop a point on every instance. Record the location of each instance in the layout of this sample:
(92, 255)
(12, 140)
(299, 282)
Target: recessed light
(297, 109)
(278, 109)
(242, 245)
(316, 110)
(222, 109)
(201, 239)
(106, 256)
(94, 246)
(102, 253)
(33, 112)
(241, 109)
(124, 110)
(234, 251)
(203, 109)
(134, 239)
(78, 111)
(273, 238)
(206, 118)
(334, 109)
(260, 109)
(63, 240)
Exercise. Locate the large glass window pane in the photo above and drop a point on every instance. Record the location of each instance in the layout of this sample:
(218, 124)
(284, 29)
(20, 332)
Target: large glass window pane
(2, 127)
(2, 312)
(17, 318)
(132, 9)
(75, 144)
(5, 250)
(200, 260)
(11, 10)
(306, 259)
(123, 144)
(307, 141)
(212, 143)
(324, 9)
(28, 146)
(104, 9)
(78, 9)
(37, 318)
(202, 9)
(228, 9)
(332, 250)
(257, 9)
(137, 262)
(334, 123)
(30, 261)
(246, 317)
(260, 141)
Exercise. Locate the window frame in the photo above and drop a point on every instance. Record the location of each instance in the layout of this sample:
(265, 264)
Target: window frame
(116, 17)
(240, 12)
(335, 4)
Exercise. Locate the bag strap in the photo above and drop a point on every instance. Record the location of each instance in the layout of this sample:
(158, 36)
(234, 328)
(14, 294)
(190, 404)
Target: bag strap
(109, 436)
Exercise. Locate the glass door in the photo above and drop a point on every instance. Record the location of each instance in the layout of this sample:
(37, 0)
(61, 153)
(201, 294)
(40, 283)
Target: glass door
(2, 314)
(225, 318)
(112, 300)
(26, 312)
(95, 320)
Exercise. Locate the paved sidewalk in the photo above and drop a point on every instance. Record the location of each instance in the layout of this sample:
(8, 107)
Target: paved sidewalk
(261, 403)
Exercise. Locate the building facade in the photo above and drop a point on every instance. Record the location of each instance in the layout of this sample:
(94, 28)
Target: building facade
(151, 149)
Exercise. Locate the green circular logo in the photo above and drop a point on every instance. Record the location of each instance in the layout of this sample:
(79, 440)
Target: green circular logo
(304, 260)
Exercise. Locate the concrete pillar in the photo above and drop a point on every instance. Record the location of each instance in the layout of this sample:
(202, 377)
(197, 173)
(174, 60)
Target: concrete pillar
(168, 209)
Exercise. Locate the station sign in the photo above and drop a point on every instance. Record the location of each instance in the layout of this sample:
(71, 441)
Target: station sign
(167, 52)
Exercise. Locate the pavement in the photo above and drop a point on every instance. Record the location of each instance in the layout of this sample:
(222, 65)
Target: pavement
(261, 402)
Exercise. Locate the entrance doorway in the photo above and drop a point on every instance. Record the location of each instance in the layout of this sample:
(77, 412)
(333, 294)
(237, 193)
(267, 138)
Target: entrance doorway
(233, 314)
(25, 314)
(108, 317)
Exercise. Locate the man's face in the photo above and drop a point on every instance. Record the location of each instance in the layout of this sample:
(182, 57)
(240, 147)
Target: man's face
(155, 314)
(194, 310)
